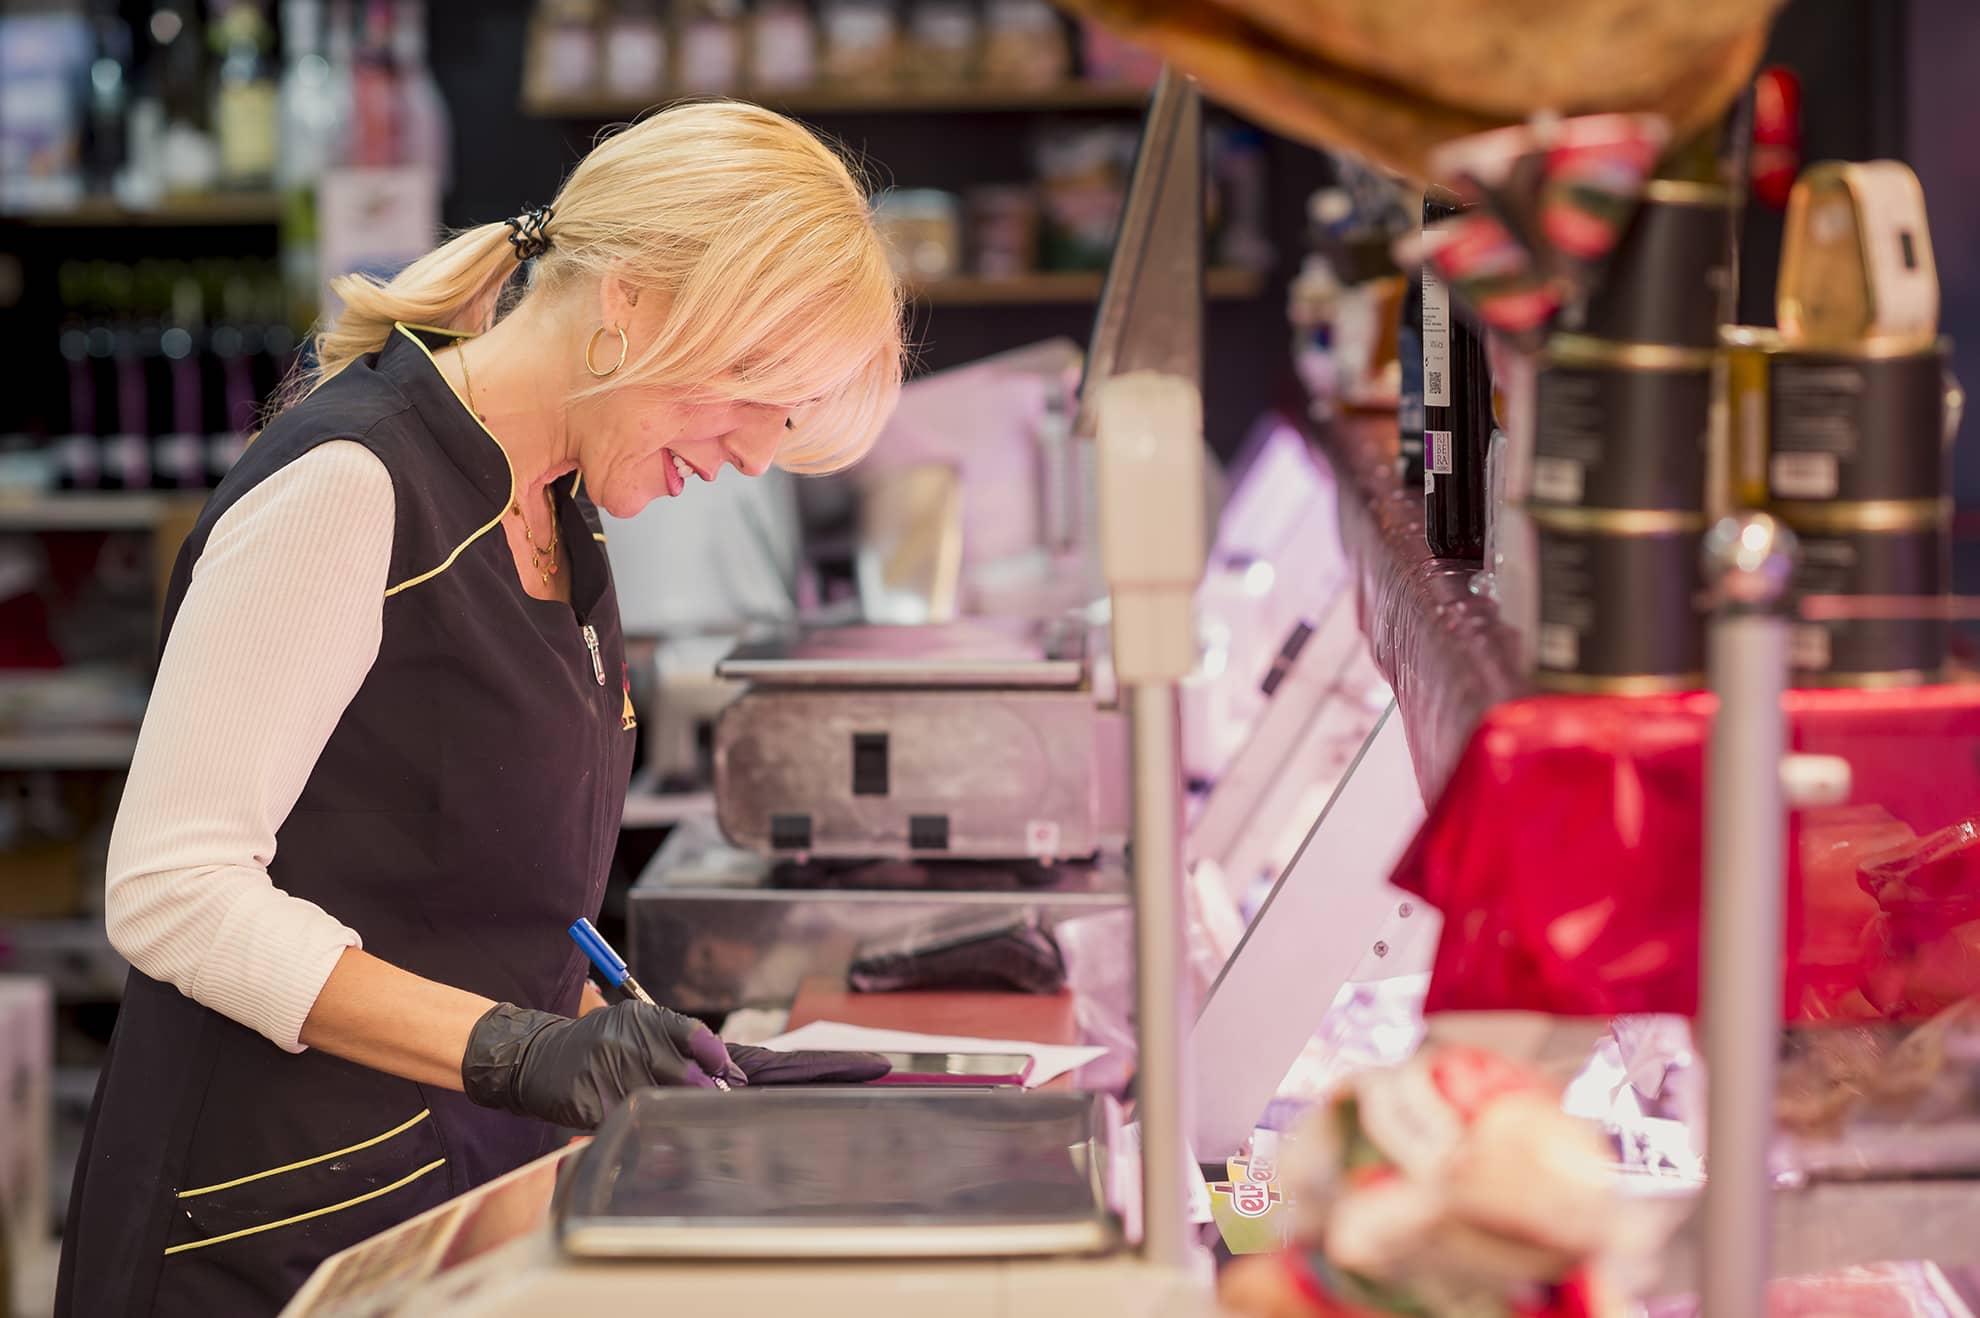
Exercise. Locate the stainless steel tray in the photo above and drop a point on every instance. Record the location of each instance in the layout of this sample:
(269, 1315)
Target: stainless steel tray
(972, 654)
(843, 1173)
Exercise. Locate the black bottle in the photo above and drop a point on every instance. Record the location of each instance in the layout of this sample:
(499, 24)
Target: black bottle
(1457, 413)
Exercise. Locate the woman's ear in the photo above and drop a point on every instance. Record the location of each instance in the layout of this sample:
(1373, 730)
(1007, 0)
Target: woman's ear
(616, 300)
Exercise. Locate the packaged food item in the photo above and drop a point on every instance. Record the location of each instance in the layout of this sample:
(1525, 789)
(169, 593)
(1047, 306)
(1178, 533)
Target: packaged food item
(1450, 1185)
(943, 43)
(1619, 601)
(1003, 230)
(565, 49)
(783, 46)
(922, 231)
(1105, 57)
(1083, 177)
(1856, 258)
(635, 49)
(861, 40)
(711, 47)
(1024, 45)
(1621, 425)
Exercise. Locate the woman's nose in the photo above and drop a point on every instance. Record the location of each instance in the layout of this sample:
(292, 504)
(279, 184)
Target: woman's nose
(752, 448)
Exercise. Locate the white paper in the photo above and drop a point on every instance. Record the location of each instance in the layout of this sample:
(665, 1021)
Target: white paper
(1049, 1061)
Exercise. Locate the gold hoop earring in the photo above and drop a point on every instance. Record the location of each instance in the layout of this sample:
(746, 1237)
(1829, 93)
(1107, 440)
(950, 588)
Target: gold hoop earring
(591, 345)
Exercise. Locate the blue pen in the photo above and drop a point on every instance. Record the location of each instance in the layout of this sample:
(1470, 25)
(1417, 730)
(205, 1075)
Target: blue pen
(613, 967)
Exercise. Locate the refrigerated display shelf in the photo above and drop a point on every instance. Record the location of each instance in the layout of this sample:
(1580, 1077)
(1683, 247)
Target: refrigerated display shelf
(212, 208)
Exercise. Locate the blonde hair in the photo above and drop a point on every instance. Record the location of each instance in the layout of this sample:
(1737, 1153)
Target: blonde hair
(756, 232)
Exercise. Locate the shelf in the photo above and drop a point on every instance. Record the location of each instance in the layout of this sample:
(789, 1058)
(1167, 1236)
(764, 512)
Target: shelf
(90, 512)
(67, 750)
(894, 100)
(211, 208)
(1071, 286)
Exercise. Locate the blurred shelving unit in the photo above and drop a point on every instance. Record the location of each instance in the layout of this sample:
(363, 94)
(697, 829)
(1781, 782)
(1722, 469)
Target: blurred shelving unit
(92, 512)
(201, 210)
(67, 750)
(906, 99)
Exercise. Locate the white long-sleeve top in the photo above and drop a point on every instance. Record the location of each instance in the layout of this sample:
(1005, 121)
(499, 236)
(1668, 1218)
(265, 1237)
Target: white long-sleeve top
(279, 625)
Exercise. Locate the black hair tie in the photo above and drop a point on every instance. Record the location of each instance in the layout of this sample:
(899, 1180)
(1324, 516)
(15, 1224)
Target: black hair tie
(527, 233)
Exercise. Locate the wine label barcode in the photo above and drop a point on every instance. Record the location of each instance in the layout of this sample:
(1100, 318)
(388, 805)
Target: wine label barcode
(1433, 383)
(1437, 451)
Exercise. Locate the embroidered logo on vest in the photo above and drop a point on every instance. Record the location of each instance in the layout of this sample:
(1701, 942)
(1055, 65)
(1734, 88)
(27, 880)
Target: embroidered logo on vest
(627, 719)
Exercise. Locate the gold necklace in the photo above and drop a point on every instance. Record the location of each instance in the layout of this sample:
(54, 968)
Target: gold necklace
(538, 554)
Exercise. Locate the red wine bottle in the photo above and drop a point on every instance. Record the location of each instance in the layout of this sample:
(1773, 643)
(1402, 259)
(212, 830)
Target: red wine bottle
(1457, 413)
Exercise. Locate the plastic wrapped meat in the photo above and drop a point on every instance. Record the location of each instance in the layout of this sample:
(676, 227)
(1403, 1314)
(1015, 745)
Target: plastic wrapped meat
(1452, 1186)
(1921, 953)
(1835, 908)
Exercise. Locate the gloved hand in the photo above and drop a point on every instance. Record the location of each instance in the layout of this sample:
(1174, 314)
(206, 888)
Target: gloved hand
(573, 1072)
(767, 1066)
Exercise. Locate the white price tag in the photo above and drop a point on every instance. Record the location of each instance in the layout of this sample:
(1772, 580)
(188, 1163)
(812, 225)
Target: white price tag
(1808, 647)
(1559, 647)
(1436, 341)
(1557, 480)
(1041, 838)
(1804, 475)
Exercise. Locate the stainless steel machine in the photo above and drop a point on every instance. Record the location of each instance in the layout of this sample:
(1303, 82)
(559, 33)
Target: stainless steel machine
(970, 741)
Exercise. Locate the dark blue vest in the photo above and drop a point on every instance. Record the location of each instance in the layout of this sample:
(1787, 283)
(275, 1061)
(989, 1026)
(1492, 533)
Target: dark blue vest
(461, 816)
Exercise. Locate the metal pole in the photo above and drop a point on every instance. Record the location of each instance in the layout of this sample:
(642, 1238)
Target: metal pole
(1161, 998)
(1748, 559)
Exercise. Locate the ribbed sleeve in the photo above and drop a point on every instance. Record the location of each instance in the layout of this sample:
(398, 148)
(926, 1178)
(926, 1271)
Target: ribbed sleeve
(279, 625)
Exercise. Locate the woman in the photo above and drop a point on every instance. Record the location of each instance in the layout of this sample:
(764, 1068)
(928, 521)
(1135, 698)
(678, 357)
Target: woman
(385, 757)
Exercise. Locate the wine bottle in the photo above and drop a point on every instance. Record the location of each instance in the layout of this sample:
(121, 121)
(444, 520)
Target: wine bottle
(1457, 413)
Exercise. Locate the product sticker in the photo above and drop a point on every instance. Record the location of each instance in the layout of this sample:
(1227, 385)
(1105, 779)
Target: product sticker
(1041, 838)
(1437, 451)
(1559, 647)
(1804, 475)
(1436, 341)
(1557, 480)
(1808, 647)
(1250, 1208)
(374, 221)
(1429, 481)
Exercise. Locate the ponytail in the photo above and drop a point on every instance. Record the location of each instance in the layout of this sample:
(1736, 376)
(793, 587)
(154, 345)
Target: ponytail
(756, 232)
(453, 287)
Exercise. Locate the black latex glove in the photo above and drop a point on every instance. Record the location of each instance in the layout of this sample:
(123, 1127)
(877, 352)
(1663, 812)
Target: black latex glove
(767, 1066)
(571, 1073)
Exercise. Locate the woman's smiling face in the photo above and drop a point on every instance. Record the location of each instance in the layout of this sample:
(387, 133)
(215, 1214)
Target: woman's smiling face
(640, 444)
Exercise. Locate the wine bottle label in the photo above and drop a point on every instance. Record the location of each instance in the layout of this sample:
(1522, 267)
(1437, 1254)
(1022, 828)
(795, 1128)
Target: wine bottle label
(1437, 452)
(247, 119)
(1436, 341)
